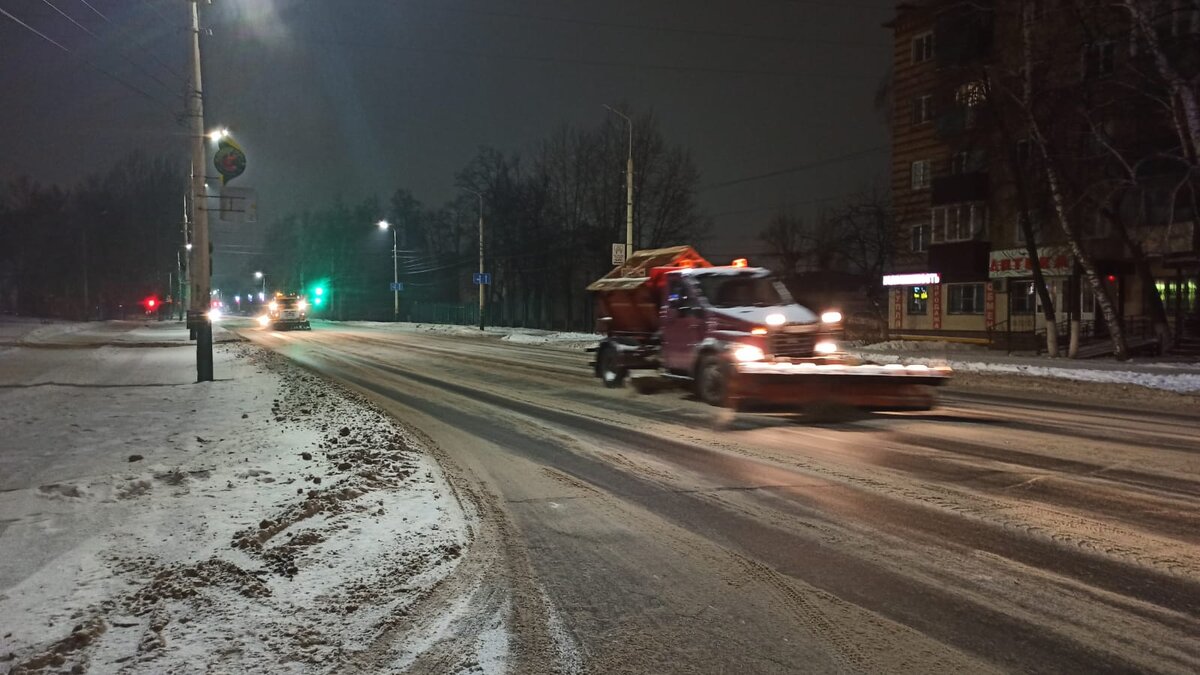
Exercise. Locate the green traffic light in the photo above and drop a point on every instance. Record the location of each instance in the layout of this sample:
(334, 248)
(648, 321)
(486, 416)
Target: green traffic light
(317, 301)
(319, 290)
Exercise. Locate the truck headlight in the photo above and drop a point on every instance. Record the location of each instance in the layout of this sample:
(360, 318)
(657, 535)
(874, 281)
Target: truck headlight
(744, 353)
(826, 347)
(831, 317)
(776, 319)
(303, 306)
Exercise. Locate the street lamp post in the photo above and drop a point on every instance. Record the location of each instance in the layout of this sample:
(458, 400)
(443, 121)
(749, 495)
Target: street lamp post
(260, 275)
(628, 184)
(481, 284)
(385, 225)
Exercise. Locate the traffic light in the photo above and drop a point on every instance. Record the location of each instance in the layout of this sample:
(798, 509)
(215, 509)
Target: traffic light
(318, 293)
(150, 303)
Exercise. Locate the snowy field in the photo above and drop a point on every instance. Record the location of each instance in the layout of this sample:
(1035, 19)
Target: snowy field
(267, 522)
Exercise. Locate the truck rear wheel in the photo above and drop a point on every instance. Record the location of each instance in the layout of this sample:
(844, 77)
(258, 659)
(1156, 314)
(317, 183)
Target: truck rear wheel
(609, 370)
(712, 380)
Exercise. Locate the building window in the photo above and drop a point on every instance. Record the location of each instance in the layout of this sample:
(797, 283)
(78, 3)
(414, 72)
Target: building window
(922, 48)
(918, 300)
(1024, 152)
(1022, 298)
(920, 174)
(959, 222)
(920, 238)
(923, 109)
(965, 299)
(1099, 59)
(971, 94)
(1097, 227)
(1035, 222)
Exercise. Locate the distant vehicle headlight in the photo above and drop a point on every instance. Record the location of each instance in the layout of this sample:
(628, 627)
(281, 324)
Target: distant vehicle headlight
(264, 320)
(826, 347)
(273, 306)
(745, 353)
(214, 314)
(831, 317)
(776, 319)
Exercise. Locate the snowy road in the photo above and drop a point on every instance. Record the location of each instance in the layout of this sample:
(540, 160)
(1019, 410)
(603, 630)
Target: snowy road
(1001, 532)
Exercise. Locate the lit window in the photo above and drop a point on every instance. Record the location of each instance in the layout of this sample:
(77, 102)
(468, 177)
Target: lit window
(918, 300)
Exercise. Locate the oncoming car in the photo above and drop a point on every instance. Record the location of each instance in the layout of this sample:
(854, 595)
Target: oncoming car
(288, 311)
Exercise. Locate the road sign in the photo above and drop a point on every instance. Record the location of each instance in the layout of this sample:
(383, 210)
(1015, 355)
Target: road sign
(396, 286)
(618, 254)
(238, 205)
(482, 278)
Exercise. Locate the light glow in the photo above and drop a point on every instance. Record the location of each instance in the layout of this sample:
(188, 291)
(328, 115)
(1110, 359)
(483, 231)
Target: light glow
(776, 319)
(383, 224)
(273, 306)
(831, 317)
(264, 320)
(746, 353)
(214, 314)
(922, 279)
(758, 330)
(302, 305)
(741, 262)
(826, 347)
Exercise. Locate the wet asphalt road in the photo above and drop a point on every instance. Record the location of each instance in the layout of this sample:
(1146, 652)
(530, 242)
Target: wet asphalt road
(998, 532)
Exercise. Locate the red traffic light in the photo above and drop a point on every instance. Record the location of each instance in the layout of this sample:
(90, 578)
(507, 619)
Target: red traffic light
(150, 302)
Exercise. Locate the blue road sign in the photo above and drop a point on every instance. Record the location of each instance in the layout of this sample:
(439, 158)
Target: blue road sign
(396, 286)
(482, 278)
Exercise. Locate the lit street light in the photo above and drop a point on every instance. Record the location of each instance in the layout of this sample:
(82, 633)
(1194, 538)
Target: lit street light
(385, 225)
(260, 275)
(218, 134)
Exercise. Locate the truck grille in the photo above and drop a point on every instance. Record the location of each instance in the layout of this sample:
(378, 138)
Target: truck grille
(793, 344)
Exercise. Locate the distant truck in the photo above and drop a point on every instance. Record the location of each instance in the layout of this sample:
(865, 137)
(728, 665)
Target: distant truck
(287, 311)
(736, 336)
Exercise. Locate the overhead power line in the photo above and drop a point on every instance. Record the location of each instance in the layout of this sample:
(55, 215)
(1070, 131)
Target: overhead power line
(795, 169)
(132, 87)
(492, 56)
(654, 28)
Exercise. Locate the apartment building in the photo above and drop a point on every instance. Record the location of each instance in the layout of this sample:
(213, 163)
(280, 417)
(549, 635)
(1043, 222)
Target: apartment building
(963, 269)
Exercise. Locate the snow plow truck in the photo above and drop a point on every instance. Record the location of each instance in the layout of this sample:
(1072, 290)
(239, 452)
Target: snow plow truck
(735, 335)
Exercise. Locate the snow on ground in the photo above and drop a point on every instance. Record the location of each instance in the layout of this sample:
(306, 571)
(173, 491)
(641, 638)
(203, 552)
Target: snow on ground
(524, 336)
(1181, 378)
(267, 522)
(22, 332)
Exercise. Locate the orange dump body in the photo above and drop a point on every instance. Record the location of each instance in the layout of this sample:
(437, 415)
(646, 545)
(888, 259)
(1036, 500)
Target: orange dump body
(628, 298)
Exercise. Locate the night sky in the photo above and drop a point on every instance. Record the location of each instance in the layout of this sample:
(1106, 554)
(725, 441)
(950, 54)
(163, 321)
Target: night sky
(359, 97)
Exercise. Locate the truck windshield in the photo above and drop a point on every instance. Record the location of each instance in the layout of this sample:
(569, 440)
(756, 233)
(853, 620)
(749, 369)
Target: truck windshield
(741, 290)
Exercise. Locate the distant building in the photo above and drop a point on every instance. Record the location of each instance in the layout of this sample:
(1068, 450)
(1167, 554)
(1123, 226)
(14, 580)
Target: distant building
(962, 269)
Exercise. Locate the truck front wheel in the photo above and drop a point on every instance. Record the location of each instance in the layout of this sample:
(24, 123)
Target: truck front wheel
(609, 370)
(712, 380)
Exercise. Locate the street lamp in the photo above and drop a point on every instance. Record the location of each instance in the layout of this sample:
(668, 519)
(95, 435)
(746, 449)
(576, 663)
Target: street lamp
(481, 284)
(260, 275)
(628, 184)
(218, 134)
(385, 225)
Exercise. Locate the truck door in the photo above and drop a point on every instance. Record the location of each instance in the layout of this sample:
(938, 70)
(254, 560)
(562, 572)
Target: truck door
(682, 325)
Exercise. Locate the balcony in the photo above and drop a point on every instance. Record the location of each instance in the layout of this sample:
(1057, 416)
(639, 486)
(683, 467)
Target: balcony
(961, 187)
(955, 122)
(960, 261)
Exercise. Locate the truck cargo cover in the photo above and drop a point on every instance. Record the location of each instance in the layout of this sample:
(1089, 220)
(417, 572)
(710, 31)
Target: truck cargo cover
(636, 270)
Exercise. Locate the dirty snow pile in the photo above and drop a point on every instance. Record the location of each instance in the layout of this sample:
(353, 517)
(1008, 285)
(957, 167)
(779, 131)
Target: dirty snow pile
(268, 522)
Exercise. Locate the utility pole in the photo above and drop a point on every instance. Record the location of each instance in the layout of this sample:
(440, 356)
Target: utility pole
(628, 184)
(481, 284)
(395, 280)
(201, 271)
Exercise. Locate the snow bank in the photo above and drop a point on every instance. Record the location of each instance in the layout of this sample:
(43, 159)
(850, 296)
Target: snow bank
(267, 522)
(1185, 382)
